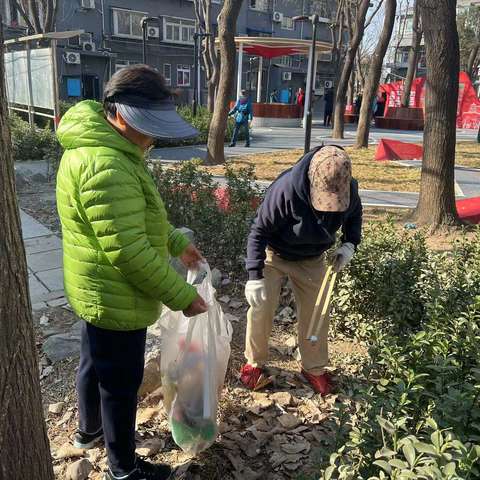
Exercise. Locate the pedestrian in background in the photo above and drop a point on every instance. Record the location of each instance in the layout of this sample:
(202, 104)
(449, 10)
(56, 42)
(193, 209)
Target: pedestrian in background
(328, 112)
(243, 114)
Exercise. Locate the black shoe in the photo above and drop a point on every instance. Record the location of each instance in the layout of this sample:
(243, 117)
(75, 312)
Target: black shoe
(144, 471)
(87, 441)
(247, 145)
(232, 145)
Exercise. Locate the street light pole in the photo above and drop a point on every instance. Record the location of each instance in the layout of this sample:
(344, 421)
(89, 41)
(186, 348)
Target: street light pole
(145, 21)
(196, 69)
(311, 82)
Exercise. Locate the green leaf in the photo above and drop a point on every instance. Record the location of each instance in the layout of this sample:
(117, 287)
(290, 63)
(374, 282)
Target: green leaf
(395, 462)
(449, 469)
(425, 448)
(383, 465)
(385, 424)
(329, 472)
(437, 439)
(384, 452)
(409, 453)
(432, 423)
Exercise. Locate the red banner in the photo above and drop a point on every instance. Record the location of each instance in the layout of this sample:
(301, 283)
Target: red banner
(468, 112)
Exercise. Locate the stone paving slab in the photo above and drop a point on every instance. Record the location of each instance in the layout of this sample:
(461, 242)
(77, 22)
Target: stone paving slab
(52, 279)
(31, 228)
(42, 244)
(38, 290)
(42, 261)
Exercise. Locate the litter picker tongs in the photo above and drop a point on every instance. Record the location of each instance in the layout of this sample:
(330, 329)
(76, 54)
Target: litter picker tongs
(322, 305)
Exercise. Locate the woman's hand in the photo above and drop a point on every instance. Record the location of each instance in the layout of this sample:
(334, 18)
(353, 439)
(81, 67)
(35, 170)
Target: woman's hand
(191, 257)
(197, 307)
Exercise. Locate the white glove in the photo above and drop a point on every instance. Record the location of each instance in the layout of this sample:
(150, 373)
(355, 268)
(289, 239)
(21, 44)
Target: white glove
(256, 292)
(343, 256)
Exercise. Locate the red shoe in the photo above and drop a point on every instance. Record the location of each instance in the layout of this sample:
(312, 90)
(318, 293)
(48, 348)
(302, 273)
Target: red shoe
(322, 384)
(253, 377)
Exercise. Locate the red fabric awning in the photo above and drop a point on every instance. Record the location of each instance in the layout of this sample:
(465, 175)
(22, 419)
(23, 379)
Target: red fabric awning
(270, 52)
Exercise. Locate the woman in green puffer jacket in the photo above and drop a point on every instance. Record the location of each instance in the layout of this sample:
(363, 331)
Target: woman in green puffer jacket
(117, 244)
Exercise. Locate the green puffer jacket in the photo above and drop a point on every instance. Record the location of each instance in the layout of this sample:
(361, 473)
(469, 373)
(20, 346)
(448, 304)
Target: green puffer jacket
(116, 237)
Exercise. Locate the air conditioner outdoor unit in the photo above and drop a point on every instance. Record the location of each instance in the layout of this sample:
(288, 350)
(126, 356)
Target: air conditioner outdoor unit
(88, 46)
(153, 32)
(277, 17)
(72, 57)
(88, 4)
(328, 84)
(287, 76)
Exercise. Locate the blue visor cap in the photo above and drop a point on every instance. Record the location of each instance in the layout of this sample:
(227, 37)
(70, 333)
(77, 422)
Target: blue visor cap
(157, 119)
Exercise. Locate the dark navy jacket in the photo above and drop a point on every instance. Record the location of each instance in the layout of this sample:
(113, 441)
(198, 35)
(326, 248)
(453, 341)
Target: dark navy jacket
(288, 224)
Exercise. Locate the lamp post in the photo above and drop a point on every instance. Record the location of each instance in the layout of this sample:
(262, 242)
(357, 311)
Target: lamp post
(311, 80)
(145, 21)
(196, 81)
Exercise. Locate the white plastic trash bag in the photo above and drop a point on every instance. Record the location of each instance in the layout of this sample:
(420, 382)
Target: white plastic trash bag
(195, 354)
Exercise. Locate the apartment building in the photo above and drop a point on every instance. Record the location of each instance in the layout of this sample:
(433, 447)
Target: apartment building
(113, 40)
(402, 41)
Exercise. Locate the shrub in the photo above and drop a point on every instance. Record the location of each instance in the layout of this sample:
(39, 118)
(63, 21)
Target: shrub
(33, 143)
(418, 416)
(414, 410)
(395, 282)
(202, 123)
(191, 198)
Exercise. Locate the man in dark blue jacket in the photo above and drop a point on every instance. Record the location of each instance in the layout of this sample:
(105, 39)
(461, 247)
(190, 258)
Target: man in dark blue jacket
(295, 225)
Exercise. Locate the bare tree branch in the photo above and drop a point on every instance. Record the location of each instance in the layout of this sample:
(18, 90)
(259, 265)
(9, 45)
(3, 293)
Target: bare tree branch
(372, 16)
(24, 15)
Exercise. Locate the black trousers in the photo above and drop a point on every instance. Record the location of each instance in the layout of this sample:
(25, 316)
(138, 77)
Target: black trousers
(108, 379)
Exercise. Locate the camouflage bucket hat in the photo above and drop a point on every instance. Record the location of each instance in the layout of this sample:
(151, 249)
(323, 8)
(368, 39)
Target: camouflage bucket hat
(330, 174)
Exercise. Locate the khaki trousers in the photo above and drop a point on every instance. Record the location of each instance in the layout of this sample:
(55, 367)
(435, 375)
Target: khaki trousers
(306, 278)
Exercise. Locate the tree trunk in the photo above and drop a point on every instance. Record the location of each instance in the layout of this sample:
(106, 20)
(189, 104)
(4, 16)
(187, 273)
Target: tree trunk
(374, 73)
(351, 88)
(341, 97)
(211, 89)
(227, 21)
(412, 58)
(23, 438)
(436, 205)
(472, 61)
(203, 13)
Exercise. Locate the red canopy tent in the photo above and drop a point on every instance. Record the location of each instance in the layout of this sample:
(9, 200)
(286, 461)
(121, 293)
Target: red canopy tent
(272, 47)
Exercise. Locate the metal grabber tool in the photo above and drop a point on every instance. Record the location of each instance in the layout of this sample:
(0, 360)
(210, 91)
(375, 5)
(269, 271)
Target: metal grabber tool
(322, 305)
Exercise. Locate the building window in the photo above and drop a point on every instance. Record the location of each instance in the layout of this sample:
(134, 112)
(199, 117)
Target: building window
(119, 64)
(127, 23)
(287, 23)
(183, 75)
(261, 5)
(178, 30)
(167, 73)
(286, 61)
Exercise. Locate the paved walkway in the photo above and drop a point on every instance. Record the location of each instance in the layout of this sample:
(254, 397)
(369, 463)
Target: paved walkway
(271, 139)
(44, 260)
